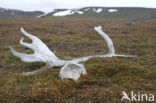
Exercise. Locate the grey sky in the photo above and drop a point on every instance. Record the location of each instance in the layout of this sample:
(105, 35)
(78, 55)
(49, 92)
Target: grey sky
(48, 5)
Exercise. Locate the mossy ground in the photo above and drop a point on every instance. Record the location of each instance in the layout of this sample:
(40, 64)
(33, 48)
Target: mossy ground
(106, 77)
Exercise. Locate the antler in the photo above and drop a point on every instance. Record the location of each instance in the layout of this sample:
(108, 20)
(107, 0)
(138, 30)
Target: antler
(108, 40)
(71, 68)
(111, 50)
(41, 52)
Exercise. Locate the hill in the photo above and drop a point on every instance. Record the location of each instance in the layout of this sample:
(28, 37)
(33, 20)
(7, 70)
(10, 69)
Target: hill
(130, 13)
(103, 12)
(13, 13)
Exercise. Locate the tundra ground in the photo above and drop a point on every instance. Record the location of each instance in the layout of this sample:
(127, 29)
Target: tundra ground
(71, 38)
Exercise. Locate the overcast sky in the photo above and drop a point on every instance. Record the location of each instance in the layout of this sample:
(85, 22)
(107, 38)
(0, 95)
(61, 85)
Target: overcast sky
(49, 5)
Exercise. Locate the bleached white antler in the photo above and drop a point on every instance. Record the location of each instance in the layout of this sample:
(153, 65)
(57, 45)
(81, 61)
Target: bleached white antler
(111, 50)
(71, 68)
(41, 52)
(109, 41)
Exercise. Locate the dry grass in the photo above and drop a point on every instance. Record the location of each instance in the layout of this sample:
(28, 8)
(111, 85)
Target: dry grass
(106, 77)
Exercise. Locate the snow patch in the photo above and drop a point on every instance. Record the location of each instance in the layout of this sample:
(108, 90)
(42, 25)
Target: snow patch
(86, 9)
(112, 10)
(63, 13)
(42, 15)
(45, 14)
(97, 10)
(79, 12)
(67, 12)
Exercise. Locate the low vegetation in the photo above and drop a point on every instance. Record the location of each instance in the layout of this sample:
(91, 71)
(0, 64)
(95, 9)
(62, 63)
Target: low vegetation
(71, 38)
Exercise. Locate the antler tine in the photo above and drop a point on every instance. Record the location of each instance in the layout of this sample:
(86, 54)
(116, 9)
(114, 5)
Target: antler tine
(25, 57)
(46, 67)
(119, 55)
(25, 44)
(107, 39)
(28, 35)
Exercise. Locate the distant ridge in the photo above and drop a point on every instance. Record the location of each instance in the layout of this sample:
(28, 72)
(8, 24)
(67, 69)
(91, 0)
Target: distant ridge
(14, 13)
(132, 13)
(104, 12)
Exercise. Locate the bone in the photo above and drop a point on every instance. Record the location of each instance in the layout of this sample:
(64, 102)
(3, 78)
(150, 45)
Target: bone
(70, 69)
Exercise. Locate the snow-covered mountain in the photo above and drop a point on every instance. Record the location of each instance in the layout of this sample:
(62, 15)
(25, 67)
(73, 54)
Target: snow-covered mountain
(13, 13)
(86, 12)
(67, 12)
(104, 12)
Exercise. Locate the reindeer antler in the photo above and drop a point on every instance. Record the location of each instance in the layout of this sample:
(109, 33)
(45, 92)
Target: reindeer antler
(111, 50)
(108, 40)
(41, 52)
(71, 68)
